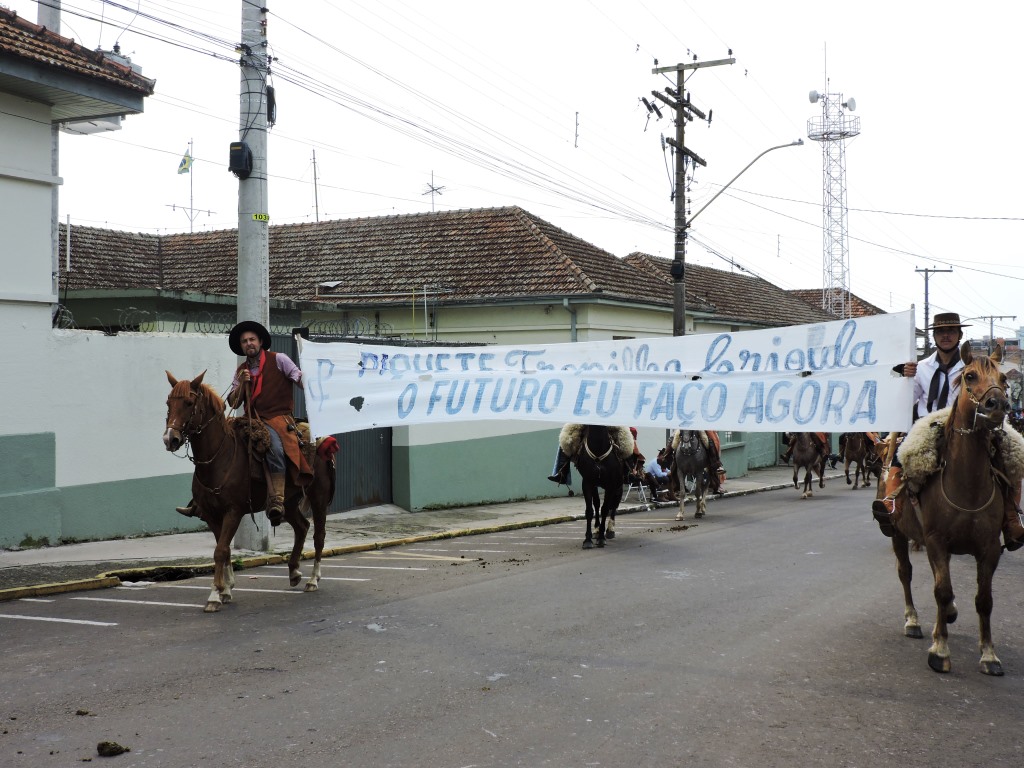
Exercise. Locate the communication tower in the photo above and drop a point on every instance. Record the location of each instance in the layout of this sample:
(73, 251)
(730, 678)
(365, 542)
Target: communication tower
(832, 129)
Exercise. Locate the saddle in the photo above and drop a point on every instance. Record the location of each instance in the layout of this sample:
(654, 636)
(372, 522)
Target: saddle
(570, 440)
(921, 452)
(256, 435)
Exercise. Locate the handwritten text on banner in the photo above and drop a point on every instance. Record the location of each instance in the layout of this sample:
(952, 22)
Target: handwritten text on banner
(833, 377)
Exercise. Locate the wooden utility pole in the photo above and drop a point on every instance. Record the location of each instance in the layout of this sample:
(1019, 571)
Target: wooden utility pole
(249, 163)
(679, 101)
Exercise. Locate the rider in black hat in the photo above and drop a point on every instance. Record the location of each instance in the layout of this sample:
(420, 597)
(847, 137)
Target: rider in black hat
(936, 384)
(263, 386)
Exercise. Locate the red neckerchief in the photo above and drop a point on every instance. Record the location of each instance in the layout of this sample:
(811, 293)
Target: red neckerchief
(259, 376)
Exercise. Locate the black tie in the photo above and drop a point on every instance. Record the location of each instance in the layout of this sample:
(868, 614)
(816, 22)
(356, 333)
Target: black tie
(941, 373)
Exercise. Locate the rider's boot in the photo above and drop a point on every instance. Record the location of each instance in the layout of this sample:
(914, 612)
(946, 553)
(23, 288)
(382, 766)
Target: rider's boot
(788, 454)
(719, 480)
(888, 509)
(275, 499)
(1013, 531)
(561, 475)
(189, 510)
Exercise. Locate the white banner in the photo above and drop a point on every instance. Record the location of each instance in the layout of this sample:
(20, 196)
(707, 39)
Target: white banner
(826, 377)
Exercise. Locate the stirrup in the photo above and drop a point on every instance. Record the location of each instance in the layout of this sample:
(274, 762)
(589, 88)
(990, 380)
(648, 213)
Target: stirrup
(883, 515)
(189, 511)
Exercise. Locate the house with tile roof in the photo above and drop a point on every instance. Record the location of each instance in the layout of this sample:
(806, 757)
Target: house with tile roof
(487, 276)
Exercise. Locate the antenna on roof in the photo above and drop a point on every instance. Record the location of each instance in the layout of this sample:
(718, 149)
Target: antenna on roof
(432, 191)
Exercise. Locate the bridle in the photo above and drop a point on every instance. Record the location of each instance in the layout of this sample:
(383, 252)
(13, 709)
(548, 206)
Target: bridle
(188, 432)
(990, 427)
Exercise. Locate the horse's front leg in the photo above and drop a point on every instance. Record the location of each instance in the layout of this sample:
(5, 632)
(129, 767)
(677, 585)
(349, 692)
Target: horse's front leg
(588, 541)
(989, 663)
(223, 574)
(905, 570)
(701, 493)
(609, 531)
(938, 654)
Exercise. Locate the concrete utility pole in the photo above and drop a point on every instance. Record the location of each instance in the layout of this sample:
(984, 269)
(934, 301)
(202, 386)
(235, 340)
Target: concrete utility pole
(927, 338)
(678, 100)
(249, 163)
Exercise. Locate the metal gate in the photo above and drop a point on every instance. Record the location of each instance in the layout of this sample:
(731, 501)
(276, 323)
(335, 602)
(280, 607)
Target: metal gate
(363, 474)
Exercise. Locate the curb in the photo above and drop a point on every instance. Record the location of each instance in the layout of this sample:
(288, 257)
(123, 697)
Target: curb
(78, 585)
(115, 578)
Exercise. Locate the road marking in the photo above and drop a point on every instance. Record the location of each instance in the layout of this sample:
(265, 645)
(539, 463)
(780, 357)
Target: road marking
(362, 567)
(406, 556)
(135, 602)
(59, 621)
(36, 600)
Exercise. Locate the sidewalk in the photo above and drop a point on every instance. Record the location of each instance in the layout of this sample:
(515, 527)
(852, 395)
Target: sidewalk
(101, 564)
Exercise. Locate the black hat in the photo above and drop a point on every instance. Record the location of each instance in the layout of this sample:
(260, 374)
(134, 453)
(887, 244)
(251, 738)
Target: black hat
(947, 320)
(235, 335)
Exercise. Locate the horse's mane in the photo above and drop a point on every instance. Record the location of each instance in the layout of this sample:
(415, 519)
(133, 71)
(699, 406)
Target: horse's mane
(184, 388)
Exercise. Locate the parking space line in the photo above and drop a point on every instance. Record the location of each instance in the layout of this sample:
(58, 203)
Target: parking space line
(135, 602)
(59, 621)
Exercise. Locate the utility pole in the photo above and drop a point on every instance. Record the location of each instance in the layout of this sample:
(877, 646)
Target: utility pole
(249, 163)
(678, 100)
(992, 326)
(927, 272)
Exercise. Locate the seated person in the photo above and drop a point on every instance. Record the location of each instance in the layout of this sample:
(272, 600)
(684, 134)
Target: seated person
(656, 477)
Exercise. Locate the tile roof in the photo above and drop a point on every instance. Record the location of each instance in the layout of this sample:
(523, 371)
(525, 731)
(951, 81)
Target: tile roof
(734, 297)
(30, 55)
(468, 255)
(858, 307)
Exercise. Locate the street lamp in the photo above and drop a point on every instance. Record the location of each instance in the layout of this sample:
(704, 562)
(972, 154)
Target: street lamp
(678, 270)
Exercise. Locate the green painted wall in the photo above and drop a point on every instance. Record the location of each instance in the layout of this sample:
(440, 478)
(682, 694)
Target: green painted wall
(127, 508)
(34, 512)
(487, 470)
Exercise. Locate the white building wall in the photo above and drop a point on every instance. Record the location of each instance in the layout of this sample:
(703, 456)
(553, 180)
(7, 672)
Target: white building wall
(26, 184)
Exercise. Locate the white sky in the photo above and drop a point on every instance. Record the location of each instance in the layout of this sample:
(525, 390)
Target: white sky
(536, 104)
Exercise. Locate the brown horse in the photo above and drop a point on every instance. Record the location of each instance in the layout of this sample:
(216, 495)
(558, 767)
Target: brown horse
(807, 455)
(861, 453)
(958, 507)
(228, 484)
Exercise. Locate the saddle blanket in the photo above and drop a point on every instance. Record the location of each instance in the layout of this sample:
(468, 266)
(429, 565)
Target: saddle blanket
(920, 452)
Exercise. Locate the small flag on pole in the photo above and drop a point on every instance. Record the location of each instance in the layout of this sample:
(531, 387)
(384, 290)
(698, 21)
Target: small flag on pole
(186, 162)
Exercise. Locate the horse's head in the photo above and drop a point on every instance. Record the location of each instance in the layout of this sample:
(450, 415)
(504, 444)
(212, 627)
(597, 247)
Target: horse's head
(188, 410)
(984, 387)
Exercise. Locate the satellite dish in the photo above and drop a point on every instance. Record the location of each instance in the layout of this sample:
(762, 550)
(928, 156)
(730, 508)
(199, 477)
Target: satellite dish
(813, 96)
(851, 104)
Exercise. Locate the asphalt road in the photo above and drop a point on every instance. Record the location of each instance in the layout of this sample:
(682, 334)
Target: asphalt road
(768, 634)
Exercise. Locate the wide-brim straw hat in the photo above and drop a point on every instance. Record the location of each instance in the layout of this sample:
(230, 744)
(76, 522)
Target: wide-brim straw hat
(235, 336)
(947, 320)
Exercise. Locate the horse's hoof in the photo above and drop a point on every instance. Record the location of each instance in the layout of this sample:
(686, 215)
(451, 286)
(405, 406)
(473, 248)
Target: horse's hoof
(225, 598)
(698, 514)
(600, 543)
(939, 663)
(610, 535)
(311, 587)
(211, 608)
(848, 481)
(294, 579)
(588, 545)
(913, 631)
(680, 516)
(994, 668)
